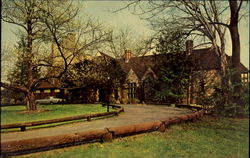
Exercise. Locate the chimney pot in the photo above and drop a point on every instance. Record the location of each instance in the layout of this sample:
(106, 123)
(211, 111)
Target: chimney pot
(189, 46)
(127, 55)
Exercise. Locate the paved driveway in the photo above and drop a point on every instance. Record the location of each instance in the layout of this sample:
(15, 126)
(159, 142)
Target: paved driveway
(134, 114)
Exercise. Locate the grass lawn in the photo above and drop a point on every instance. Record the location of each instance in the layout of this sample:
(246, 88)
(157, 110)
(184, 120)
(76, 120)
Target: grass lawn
(17, 114)
(206, 138)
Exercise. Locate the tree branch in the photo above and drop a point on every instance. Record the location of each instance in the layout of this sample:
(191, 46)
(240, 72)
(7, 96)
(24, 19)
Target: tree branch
(14, 87)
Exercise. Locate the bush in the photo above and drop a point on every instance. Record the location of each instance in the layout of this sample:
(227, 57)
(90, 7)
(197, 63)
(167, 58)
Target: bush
(225, 103)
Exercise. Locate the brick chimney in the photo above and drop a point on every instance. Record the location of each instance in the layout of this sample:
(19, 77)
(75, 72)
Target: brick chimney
(189, 46)
(127, 55)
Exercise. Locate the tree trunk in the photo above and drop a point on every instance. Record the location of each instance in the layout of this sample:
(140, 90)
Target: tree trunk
(236, 78)
(31, 104)
(223, 72)
(233, 27)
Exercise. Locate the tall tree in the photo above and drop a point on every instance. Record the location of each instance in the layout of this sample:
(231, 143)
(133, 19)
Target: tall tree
(19, 73)
(101, 72)
(44, 23)
(206, 18)
(235, 38)
(174, 64)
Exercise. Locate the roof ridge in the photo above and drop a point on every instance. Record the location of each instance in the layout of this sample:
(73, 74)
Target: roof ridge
(104, 54)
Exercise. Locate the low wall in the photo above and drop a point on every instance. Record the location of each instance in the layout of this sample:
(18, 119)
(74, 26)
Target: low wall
(106, 134)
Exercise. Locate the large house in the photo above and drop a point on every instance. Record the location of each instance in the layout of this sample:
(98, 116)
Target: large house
(138, 69)
(203, 77)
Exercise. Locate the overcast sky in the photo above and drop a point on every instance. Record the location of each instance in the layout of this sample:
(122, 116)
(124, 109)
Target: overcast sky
(99, 9)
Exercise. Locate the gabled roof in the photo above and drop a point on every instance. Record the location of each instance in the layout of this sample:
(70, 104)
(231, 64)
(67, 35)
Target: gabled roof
(243, 69)
(205, 59)
(138, 64)
(49, 85)
(101, 54)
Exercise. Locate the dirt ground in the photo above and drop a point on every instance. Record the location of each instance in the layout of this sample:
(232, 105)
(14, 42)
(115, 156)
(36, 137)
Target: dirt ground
(134, 114)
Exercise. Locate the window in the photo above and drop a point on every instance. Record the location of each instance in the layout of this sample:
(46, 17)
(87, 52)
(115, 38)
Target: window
(37, 91)
(244, 77)
(47, 91)
(57, 90)
(132, 90)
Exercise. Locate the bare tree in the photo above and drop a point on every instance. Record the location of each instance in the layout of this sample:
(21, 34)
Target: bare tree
(235, 38)
(46, 23)
(125, 39)
(8, 58)
(200, 18)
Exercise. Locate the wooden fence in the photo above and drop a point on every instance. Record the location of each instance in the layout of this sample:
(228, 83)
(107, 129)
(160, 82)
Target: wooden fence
(88, 117)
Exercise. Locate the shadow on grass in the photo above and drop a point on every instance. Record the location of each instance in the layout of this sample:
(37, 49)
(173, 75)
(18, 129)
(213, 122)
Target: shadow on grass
(5, 155)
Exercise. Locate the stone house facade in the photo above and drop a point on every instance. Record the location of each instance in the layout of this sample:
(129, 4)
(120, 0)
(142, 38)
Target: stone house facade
(203, 78)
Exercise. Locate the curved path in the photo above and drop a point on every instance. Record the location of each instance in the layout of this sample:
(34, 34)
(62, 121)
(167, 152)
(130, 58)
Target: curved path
(134, 114)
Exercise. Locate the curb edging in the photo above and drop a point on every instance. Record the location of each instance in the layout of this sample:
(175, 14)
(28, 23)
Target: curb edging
(105, 135)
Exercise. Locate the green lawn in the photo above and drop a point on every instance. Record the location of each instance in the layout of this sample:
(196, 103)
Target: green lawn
(17, 114)
(206, 138)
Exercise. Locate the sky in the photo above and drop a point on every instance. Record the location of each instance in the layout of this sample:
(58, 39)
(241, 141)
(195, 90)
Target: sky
(125, 19)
